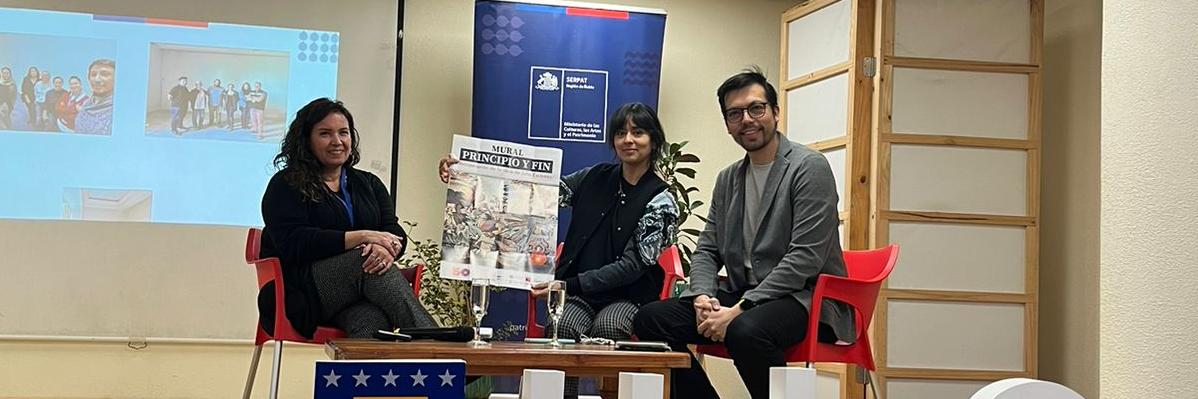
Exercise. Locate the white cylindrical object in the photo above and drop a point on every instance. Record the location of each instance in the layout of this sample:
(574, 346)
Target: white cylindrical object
(641, 386)
(542, 384)
(1025, 388)
(792, 383)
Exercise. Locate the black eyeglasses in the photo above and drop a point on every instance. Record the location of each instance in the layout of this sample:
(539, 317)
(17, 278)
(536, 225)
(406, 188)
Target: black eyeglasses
(756, 111)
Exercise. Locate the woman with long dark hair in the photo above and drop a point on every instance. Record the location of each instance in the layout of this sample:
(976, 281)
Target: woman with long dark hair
(335, 232)
(28, 97)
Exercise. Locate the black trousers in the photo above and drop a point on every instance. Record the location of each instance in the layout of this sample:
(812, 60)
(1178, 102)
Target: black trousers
(756, 340)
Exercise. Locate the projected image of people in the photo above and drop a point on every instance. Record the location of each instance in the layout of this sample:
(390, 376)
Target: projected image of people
(55, 85)
(186, 98)
(94, 114)
(8, 97)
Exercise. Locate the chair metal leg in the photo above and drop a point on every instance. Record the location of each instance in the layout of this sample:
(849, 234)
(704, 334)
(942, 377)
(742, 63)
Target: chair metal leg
(249, 380)
(870, 381)
(274, 370)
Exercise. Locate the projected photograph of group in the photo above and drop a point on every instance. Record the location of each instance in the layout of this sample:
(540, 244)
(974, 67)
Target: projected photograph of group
(56, 84)
(216, 93)
(88, 141)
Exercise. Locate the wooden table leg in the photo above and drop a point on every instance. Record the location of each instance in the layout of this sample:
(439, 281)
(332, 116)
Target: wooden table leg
(609, 387)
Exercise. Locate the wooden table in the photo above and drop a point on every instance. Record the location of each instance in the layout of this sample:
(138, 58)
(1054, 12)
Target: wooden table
(511, 358)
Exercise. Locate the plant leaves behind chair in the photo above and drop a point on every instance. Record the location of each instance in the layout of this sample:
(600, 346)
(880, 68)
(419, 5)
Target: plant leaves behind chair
(671, 172)
(444, 298)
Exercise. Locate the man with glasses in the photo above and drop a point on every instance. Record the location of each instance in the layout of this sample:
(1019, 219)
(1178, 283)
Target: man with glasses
(773, 224)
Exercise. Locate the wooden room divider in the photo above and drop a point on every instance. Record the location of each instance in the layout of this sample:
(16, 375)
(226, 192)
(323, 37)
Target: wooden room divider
(929, 112)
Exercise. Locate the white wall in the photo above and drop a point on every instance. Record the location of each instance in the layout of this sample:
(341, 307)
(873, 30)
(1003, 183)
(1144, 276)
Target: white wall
(1149, 211)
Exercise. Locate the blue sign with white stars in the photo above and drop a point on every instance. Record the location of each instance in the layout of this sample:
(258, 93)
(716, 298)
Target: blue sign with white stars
(408, 379)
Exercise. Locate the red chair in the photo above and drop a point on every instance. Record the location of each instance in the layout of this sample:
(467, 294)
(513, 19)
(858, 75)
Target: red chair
(866, 271)
(269, 269)
(669, 261)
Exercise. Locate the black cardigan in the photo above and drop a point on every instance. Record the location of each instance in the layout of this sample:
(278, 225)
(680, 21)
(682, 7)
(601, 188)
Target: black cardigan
(300, 232)
(602, 238)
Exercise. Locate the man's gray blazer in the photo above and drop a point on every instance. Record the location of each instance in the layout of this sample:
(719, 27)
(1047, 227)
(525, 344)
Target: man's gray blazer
(797, 238)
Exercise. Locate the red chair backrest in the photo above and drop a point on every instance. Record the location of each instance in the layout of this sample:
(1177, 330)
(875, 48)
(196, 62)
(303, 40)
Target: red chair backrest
(866, 269)
(871, 265)
(671, 265)
(269, 270)
(253, 245)
(412, 274)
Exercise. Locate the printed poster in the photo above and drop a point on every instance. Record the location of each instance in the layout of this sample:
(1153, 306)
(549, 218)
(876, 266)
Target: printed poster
(500, 219)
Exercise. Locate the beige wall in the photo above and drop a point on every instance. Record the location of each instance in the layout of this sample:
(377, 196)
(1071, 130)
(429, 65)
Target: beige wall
(114, 370)
(1149, 213)
(1070, 187)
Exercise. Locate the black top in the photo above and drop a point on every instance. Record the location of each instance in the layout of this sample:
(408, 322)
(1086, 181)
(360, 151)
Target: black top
(8, 94)
(300, 232)
(53, 96)
(178, 96)
(257, 99)
(27, 86)
(605, 218)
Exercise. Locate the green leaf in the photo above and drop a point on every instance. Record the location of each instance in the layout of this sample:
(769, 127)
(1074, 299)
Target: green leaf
(688, 172)
(688, 158)
(693, 232)
(696, 204)
(691, 190)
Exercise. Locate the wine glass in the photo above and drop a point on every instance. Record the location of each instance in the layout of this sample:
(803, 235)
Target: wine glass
(480, 292)
(557, 304)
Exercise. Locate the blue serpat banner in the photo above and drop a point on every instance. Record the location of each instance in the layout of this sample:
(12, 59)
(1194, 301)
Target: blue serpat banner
(550, 75)
(409, 379)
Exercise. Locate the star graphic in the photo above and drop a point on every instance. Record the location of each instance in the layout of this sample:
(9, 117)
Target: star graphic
(361, 377)
(418, 379)
(331, 379)
(390, 378)
(447, 379)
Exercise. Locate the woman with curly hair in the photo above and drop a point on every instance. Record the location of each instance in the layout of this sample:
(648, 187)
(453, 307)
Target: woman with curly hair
(335, 232)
